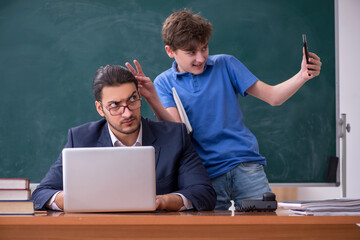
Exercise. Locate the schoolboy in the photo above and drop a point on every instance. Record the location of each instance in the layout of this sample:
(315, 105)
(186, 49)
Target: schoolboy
(208, 87)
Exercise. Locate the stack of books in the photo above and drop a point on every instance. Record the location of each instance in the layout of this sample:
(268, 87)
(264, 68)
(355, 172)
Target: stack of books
(15, 196)
(339, 207)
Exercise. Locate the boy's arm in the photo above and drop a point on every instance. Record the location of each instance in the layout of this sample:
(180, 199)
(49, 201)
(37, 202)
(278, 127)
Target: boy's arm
(174, 113)
(147, 90)
(278, 94)
(170, 114)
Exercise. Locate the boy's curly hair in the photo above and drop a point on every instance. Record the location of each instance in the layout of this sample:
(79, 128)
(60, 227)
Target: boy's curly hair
(186, 31)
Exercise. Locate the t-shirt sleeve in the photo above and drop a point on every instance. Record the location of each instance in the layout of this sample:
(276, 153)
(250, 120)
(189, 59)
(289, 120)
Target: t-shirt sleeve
(164, 92)
(241, 77)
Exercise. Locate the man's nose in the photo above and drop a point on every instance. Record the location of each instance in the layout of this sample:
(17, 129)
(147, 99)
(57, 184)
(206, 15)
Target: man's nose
(127, 112)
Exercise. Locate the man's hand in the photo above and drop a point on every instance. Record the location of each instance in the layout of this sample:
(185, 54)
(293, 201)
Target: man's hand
(170, 202)
(59, 200)
(146, 86)
(313, 68)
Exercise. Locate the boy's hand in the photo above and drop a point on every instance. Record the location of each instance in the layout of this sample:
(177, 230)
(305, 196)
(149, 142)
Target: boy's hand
(147, 90)
(146, 87)
(313, 68)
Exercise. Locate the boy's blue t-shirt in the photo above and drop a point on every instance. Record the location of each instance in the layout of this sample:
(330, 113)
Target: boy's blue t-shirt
(210, 100)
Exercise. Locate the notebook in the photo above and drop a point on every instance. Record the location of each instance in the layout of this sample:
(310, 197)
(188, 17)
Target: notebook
(109, 179)
(183, 116)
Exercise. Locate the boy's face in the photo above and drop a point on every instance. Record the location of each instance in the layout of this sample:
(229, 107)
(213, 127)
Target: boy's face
(190, 61)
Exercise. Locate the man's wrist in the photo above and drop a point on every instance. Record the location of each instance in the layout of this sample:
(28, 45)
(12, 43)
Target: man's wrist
(51, 203)
(186, 203)
(170, 202)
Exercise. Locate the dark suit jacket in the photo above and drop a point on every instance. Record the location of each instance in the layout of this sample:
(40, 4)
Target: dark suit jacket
(178, 166)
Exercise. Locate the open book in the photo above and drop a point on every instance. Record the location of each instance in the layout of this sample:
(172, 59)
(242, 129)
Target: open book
(181, 110)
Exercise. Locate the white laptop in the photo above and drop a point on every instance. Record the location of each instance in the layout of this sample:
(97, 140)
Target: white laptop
(109, 179)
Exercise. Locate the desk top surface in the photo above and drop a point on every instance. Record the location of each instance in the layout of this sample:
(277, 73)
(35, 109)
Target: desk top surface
(173, 218)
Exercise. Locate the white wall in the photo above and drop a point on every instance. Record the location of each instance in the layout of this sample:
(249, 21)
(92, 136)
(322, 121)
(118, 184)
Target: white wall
(349, 84)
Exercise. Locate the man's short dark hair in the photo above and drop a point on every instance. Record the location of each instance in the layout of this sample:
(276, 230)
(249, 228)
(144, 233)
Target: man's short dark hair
(185, 31)
(111, 75)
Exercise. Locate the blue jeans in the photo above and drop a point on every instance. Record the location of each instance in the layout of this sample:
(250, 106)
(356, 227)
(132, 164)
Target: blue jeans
(245, 181)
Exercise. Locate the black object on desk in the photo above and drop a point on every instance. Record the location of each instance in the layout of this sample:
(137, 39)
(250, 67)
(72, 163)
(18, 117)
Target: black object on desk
(267, 204)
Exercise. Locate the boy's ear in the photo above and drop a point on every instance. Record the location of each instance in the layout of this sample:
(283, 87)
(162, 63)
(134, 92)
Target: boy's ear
(169, 52)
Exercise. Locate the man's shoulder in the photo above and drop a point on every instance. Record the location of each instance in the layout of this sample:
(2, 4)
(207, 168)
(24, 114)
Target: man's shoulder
(165, 133)
(90, 127)
(164, 126)
(89, 134)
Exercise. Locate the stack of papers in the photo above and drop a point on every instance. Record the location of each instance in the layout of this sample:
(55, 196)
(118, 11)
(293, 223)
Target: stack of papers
(340, 207)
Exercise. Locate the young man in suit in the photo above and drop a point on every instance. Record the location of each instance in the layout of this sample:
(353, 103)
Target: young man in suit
(181, 179)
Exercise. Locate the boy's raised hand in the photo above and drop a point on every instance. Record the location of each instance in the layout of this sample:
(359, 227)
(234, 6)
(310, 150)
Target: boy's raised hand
(147, 90)
(313, 68)
(146, 86)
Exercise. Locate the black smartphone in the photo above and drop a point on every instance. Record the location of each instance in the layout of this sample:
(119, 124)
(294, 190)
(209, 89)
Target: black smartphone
(306, 49)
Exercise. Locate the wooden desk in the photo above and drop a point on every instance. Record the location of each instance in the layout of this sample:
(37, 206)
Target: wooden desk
(183, 225)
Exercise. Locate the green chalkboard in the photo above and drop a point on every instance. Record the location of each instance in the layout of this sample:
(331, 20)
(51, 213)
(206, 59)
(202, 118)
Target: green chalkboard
(50, 50)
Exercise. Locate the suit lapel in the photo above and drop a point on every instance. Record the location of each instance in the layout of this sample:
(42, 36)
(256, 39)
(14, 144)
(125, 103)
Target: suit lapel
(149, 139)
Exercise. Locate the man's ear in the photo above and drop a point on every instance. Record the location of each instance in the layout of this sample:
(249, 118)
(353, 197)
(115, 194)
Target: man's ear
(99, 108)
(169, 52)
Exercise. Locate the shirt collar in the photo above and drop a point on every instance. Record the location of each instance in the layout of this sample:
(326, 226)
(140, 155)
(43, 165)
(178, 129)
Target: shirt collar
(117, 143)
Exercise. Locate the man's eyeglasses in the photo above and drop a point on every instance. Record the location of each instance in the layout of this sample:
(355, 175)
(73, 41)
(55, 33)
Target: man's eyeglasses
(120, 109)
